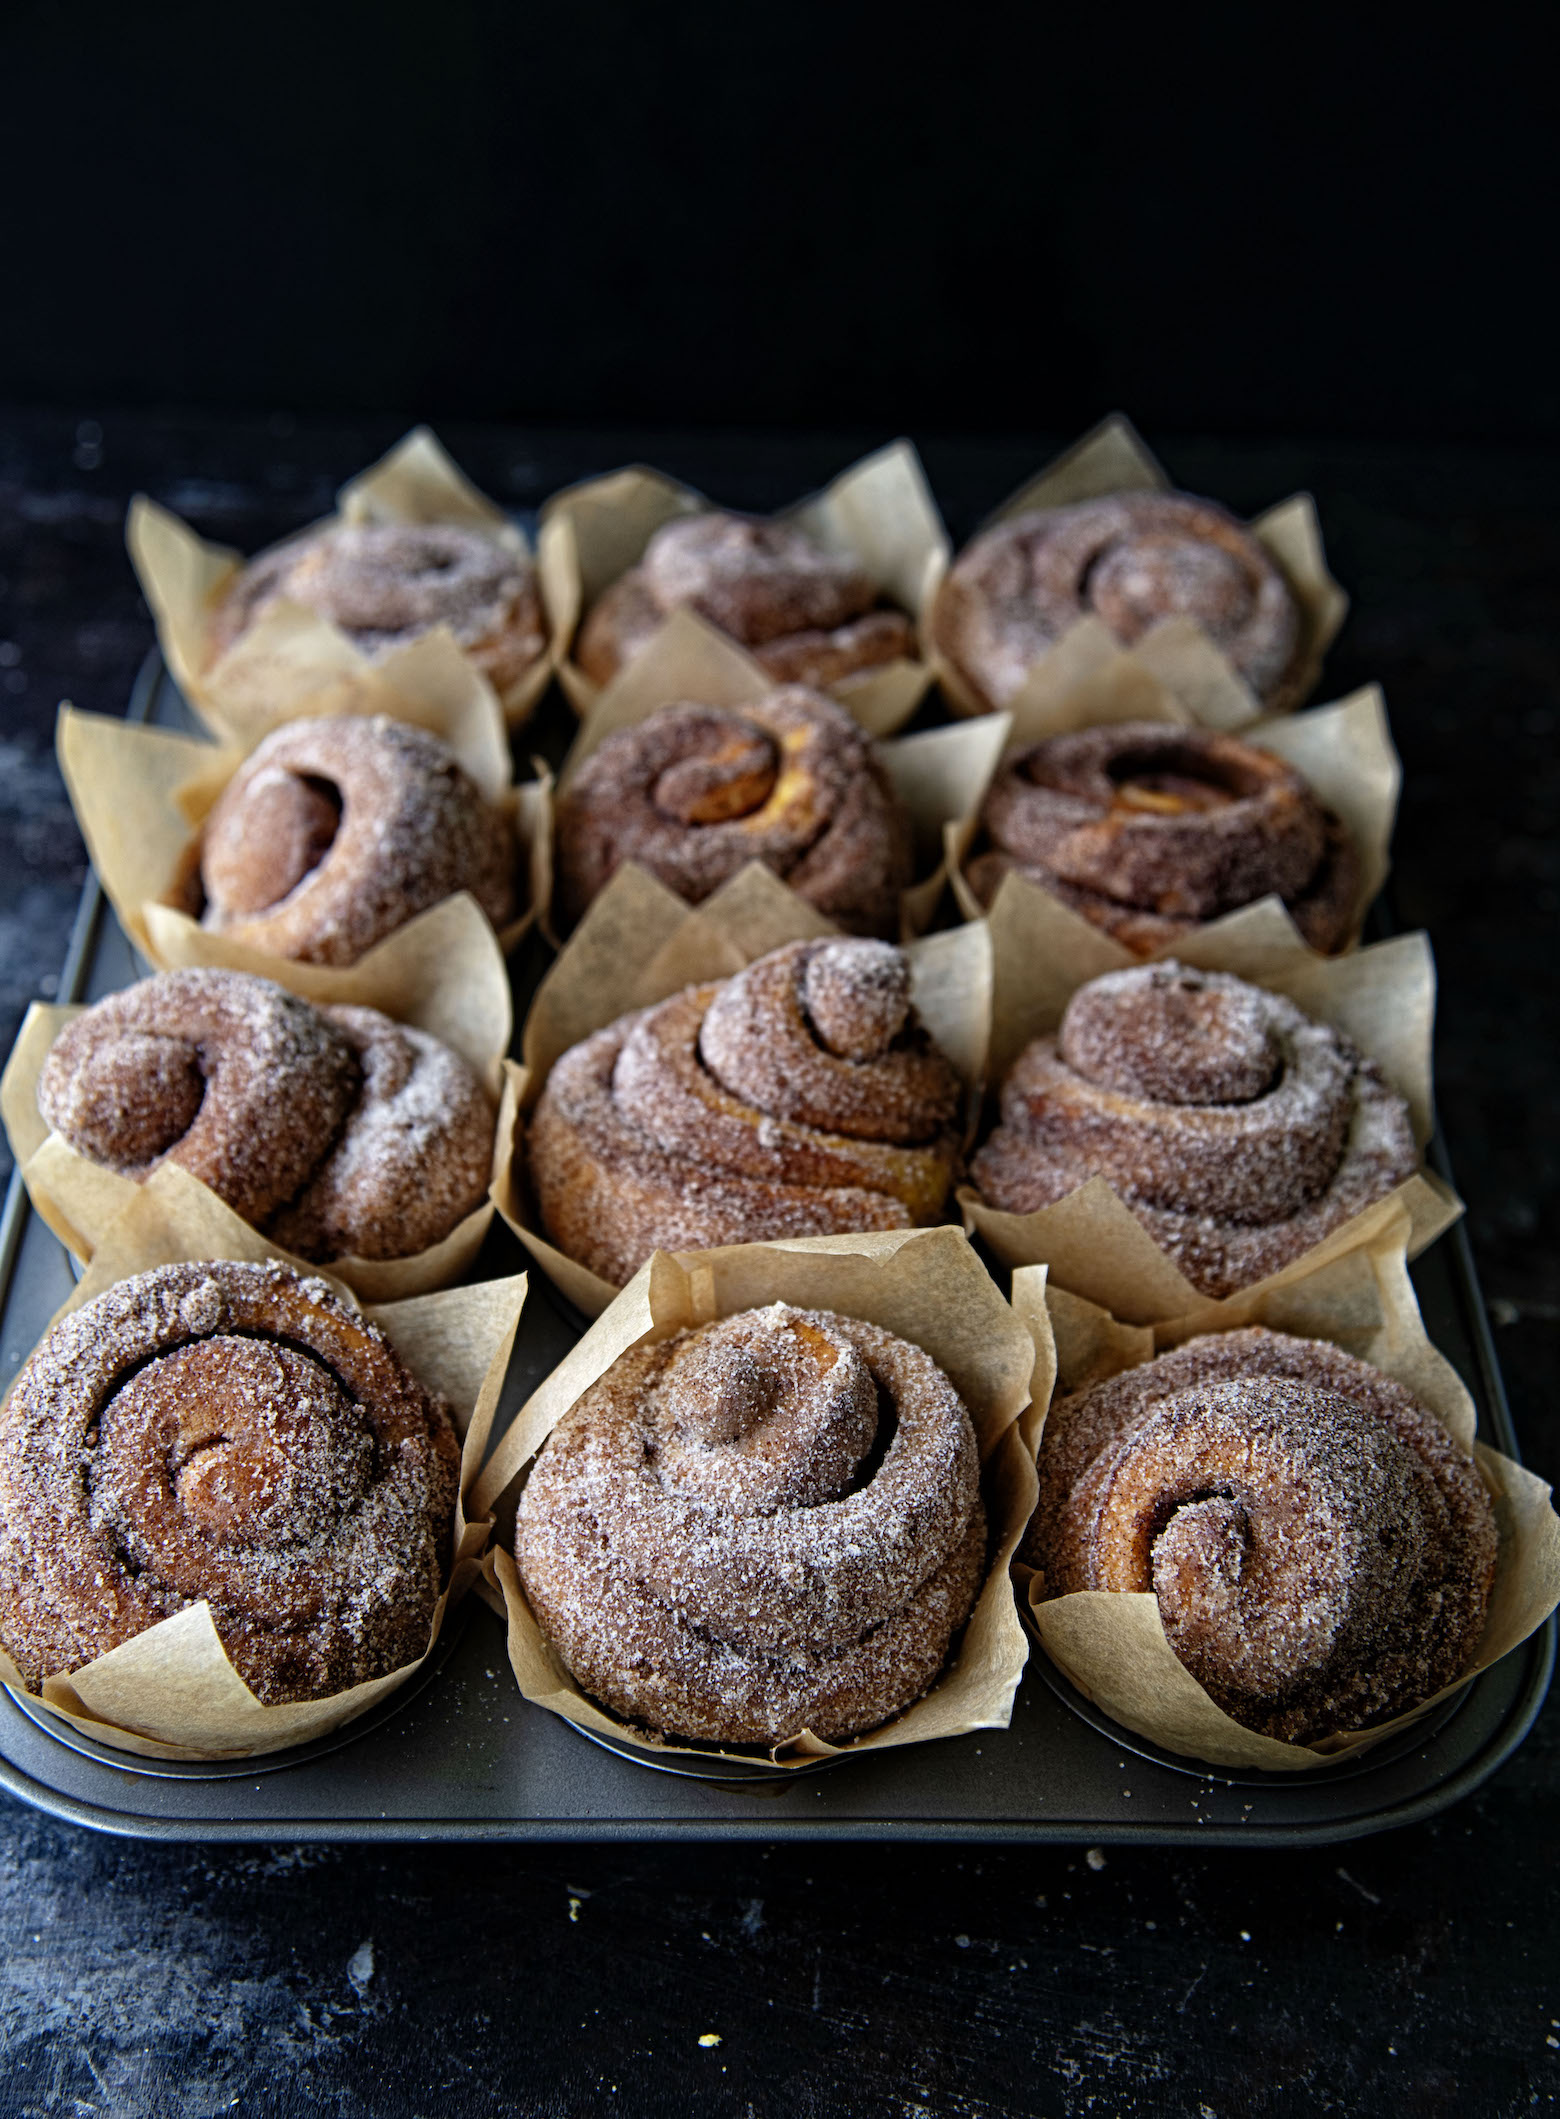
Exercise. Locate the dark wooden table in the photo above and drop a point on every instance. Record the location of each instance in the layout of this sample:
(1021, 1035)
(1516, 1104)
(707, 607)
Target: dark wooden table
(1415, 1973)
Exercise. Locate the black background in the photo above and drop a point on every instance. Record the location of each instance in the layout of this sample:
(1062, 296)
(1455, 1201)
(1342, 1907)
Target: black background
(1233, 220)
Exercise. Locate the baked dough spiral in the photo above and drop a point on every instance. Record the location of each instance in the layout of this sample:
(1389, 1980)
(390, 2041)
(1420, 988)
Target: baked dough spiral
(233, 1433)
(1321, 1548)
(806, 614)
(759, 1526)
(693, 793)
(335, 1130)
(386, 584)
(1150, 831)
(335, 832)
(800, 1098)
(1237, 1130)
(1129, 560)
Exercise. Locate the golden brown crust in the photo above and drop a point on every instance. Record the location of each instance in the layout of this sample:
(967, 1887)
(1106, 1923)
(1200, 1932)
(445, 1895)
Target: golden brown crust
(693, 793)
(1237, 1130)
(386, 584)
(1129, 560)
(335, 832)
(805, 613)
(1151, 831)
(1321, 1548)
(231, 1433)
(725, 1114)
(760, 1526)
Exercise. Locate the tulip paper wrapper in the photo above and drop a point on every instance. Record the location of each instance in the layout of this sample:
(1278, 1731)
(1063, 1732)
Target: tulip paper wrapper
(879, 513)
(291, 661)
(141, 794)
(639, 944)
(1345, 755)
(1112, 1646)
(81, 1200)
(1383, 998)
(171, 1691)
(1174, 672)
(941, 775)
(927, 1286)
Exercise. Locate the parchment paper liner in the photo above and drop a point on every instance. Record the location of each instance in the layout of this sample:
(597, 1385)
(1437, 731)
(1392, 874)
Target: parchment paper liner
(880, 512)
(1174, 673)
(639, 943)
(140, 795)
(927, 1286)
(1345, 755)
(171, 1692)
(81, 1200)
(1112, 1646)
(941, 775)
(291, 658)
(1382, 997)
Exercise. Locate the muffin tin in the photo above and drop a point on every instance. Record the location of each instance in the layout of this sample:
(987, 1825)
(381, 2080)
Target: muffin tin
(458, 1754)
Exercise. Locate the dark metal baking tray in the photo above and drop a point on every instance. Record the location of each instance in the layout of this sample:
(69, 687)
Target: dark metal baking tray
(461, 1756)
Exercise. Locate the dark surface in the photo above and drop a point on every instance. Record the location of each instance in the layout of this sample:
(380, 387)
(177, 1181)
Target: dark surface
(1414, 1974)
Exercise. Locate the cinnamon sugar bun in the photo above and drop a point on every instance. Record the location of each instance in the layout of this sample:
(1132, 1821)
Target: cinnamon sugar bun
(386, 584)
(1150, 831)
(1129, 560)
(800, 1098)
(1237, 1130)
(693, 793)
(808, 615)
(1321, 1548)
(234, 1434)
(337, 1131)
(335, 832)
(760, 1526)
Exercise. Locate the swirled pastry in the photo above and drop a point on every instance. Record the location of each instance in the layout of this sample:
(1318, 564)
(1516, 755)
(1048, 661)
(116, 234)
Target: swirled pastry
(335, 832)
(1237, 1130)
(1151, 831)
(809, 616)
(1130, 560)
(231, 1433)
(800, 1098)
(386, 584)
(760, 1526)
(1321, 1548)
(337, 1131)
(693, 793)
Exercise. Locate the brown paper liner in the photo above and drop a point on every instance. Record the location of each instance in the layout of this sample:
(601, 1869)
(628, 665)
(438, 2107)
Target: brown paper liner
(292, 660)
(1382, 997)
(639, 943)
(1344, 753)
(1112, 1646)
(927, 1286)
(941, 775)
(171, 1691)
(1174, 673)
(81, 1200)
(140, 795)
(880, 513)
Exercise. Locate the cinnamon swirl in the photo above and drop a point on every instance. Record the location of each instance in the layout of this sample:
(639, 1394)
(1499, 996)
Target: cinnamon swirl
(234, 1434)
(693, 793)
(800, 1098)
(760, 1526)
(809, 616)
(337, 1131)
(1237, 1130)
(1130, 560)
(1150, 831)
(386, 584)
(335, 832)
(1321, 1549)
